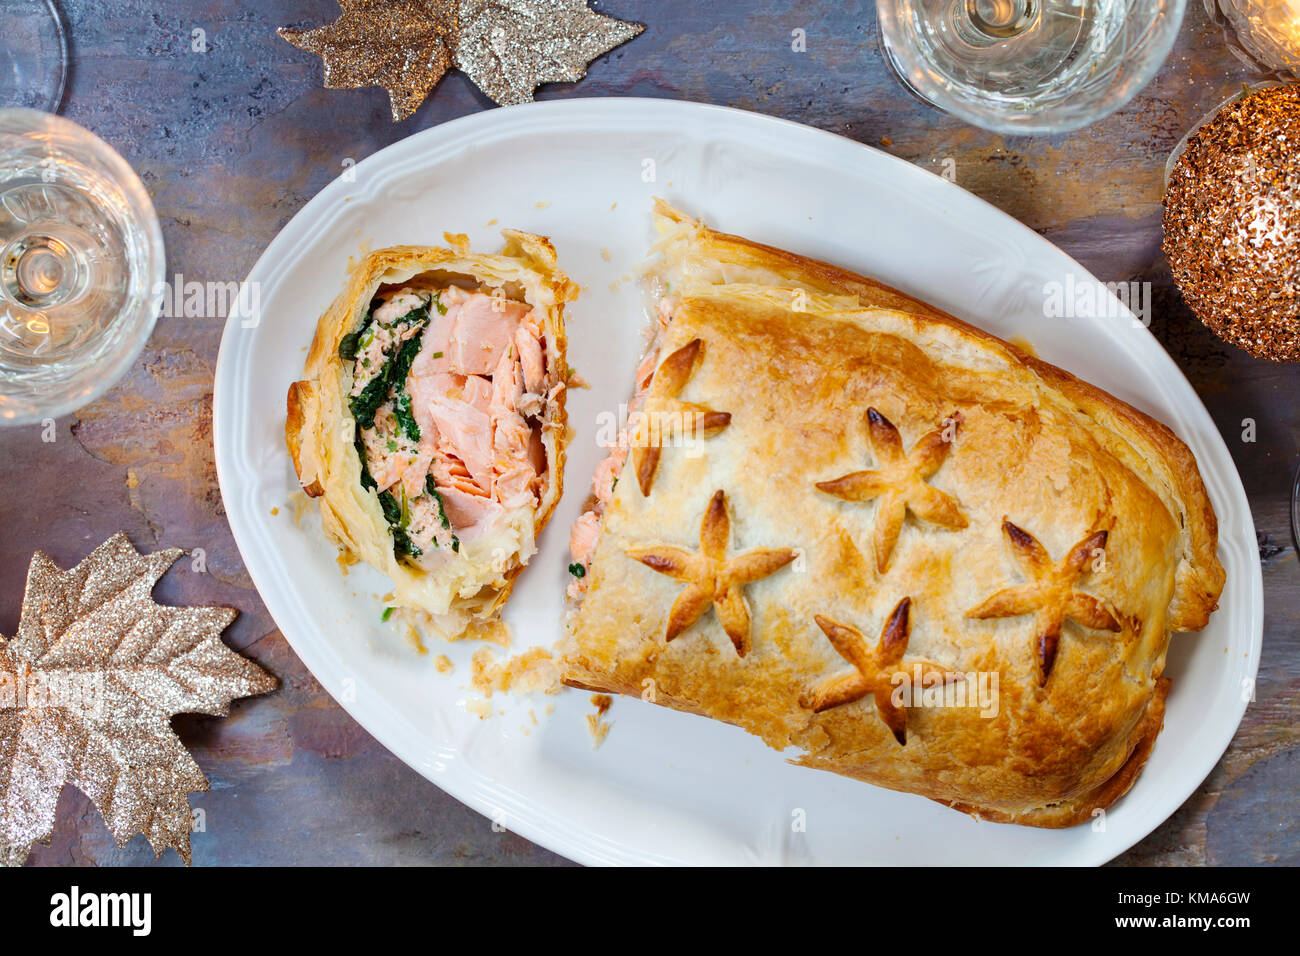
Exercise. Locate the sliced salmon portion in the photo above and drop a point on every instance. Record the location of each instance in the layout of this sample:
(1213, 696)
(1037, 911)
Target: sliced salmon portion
(512, 469)
(507, 384)
(465, 510)
(465, 431)
(424, 390)
(607, 472)
(397, 306)
(529, 345)
(431, 375)
(477, 391)
(483, 329)
(388, 473)
(432, 357)
(583, 536)
(450, 472)
(417, 471)
(386, 458)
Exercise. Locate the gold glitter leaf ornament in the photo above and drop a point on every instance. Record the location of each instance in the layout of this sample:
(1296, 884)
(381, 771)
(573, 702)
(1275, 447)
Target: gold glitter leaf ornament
(507, 47)
(88, 687)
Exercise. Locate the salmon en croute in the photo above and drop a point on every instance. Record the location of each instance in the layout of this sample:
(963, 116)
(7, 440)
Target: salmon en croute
(890, 544)
(430, 422)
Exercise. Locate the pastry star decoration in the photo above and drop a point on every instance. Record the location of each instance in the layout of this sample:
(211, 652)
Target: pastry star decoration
(712, 578)
(1050, 595)
(899, 483)
(874, 670)
(685, 420)
(507, 47)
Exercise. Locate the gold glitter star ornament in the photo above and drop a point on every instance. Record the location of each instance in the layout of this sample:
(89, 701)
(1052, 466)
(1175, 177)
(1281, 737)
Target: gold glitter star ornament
(88, 687)
(507, 47)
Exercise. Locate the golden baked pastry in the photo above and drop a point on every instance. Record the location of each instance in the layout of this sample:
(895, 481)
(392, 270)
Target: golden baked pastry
(430, 424)
(1023, 543)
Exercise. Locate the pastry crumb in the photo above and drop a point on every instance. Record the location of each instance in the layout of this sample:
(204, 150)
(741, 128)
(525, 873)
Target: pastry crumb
(532, 672)
(480, 707)
(599, 730)
(443, 665)
(274, 512)
(490, 222)
(541, 204)
(495, 632)
(414, 636)
(605, 254)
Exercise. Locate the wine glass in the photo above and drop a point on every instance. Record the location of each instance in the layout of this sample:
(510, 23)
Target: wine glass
(1027, 66)
(81, 266)
(34, 56)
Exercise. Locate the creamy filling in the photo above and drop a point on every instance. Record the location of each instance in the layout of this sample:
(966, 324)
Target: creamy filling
(449, 391)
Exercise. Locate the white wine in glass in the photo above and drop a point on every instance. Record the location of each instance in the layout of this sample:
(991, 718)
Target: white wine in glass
(81, 266)
(1028, 66)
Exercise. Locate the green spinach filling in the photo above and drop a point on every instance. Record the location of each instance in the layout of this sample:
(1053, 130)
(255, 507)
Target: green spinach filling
(390, 382)
(404, 417)
(398, 515)
(391, 379)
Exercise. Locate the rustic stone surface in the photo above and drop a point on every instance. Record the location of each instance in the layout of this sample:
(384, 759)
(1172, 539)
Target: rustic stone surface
(233, 141)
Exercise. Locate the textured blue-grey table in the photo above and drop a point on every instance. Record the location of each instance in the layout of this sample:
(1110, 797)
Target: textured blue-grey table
(233, 140)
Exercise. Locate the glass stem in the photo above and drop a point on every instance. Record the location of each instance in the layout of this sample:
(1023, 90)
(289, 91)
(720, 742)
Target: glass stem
(982, 22)
(38, 271)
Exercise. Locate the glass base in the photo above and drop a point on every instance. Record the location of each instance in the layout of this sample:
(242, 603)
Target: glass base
(891, 60)
(34, 57)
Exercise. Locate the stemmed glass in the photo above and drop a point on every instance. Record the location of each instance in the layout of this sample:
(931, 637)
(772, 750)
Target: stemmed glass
(34, 56)
(1027, 66)
(81, 253)
(81, 266)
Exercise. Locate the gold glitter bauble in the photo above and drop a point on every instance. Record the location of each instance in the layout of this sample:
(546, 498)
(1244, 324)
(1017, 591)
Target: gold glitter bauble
(507, 47)
(1232, 223)
(88, 687)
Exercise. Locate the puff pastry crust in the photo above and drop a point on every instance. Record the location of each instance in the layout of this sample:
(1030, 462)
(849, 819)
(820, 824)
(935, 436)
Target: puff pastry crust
(462, 595)
(989, 515)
